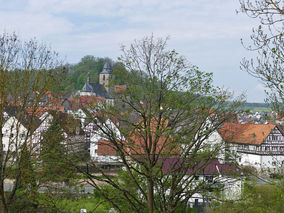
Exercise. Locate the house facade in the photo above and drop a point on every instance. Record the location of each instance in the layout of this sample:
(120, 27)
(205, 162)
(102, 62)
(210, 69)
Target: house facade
(14, 134)
(258, 145)
(101, 149)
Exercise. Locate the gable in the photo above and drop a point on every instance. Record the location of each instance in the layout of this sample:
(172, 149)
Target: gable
(275, 136)
(246, 133)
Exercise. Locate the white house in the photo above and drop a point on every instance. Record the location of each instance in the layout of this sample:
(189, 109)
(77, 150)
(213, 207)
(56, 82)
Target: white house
(45, 122)
(100, 148)
(257, 145)
(14, 134)
(209, 177)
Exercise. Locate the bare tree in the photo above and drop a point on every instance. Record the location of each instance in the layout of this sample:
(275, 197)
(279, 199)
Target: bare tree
(268, 40)
(28, 69)
(162, 120)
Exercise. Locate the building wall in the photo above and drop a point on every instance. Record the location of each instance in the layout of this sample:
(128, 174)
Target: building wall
(87, 93)
(269, 154)
(98, 135)
(104, 80)
(232, 189)
(37, 136)
(14, 134)
(250, 160)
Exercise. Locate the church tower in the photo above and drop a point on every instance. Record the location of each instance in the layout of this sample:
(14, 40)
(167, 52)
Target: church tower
(105, 76)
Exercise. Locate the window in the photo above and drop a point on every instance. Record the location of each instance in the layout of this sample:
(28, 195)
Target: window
(195, 202)
(209, 179)
(95, 127)
(104, 77)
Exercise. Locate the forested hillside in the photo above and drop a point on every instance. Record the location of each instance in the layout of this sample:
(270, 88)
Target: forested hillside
(76, 74)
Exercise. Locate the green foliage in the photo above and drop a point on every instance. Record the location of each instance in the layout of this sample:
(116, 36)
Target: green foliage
(114, 195)
(54, 155)
(25, 199)
(77, 75)
(93, 205)
(263, 198)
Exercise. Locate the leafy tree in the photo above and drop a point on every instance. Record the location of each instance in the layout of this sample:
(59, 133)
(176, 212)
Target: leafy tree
(52, 154)
(28, 70)
(78, 73)
(164, 118)
(256, 198)
(268, 41)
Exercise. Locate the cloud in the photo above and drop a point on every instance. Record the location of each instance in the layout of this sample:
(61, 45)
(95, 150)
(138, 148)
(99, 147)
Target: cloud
(202, 19)
(33, 24)
(208, 32)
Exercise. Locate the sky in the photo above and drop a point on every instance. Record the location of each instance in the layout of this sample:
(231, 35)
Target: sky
(206, 32)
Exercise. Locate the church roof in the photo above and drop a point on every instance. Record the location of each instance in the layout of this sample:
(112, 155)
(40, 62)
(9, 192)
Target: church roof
(96, 88)
(107, 69)
(88, 87)
(100, 91)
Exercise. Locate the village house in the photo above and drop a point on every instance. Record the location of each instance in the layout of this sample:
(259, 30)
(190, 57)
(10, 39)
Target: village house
(209, 177)
(101, 149)
(258, 145)
(18, 129)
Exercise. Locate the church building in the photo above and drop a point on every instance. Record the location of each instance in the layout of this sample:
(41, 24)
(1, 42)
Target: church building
(101, 89)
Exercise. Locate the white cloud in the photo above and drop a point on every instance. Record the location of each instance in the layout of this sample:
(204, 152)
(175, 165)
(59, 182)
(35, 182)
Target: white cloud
(33, 24)
(207, 31)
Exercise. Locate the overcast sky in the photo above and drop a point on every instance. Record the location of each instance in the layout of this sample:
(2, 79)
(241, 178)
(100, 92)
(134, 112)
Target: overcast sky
(207, 32)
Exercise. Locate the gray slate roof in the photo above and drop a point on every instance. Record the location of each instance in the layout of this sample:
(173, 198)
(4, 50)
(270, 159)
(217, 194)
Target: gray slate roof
(107, 69)
(96, 88)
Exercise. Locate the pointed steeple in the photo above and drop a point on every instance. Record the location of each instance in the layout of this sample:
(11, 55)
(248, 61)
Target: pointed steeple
(107, 69)
(88, 86)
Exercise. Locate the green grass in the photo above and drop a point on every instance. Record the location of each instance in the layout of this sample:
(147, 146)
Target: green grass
(262, 109)
(258, 109)
(93, 205)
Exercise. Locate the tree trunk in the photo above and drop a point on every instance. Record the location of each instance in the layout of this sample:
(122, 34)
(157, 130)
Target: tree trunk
(150, 197)
(5, 209)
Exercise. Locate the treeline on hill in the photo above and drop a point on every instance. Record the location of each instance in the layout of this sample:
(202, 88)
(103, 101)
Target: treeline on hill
(76, 74)
(251, 105)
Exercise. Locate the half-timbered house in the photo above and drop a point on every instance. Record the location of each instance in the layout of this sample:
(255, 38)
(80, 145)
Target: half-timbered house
(259, 145)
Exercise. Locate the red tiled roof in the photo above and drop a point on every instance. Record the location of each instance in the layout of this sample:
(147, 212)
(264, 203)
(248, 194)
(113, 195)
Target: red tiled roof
(119, 88)
(106, 148)
(85, 101)
(40, 110)
(211, 167)
(138, 143)
(246, 133)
